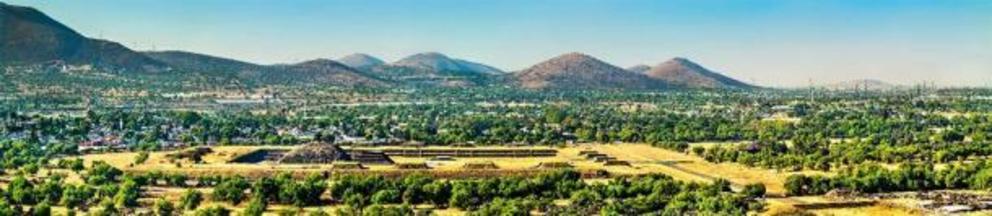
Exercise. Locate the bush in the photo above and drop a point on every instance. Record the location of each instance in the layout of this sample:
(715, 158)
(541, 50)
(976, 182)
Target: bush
(213, 211)
(386, 197)
(231, 190)
(754, 191)
(191, 199)
(255, 207)
(164, 207)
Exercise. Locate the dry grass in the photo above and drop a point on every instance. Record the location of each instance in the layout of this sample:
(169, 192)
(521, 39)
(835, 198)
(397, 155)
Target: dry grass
(648, 159)
(645, 159)
(784, 206)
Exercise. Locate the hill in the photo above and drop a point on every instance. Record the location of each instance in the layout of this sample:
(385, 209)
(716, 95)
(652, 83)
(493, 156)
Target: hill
(195, 62)
(443, 64)
(580, 71)
(682, 72)
(318, 72)
(28, 36)
(360, 61)
(639, 68)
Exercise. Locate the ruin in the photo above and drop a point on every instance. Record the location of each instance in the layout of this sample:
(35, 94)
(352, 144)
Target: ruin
(408, 166)
(470, 152)
(554, 165)
(616, 163)
(314, 153)
(348, 166)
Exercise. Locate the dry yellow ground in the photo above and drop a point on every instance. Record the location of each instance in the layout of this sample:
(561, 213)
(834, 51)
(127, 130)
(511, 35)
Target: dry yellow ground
(644, 159)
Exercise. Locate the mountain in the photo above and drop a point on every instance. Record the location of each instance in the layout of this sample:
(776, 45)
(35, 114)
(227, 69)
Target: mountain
(320, 72)
(580, 71)
(861, 84)
(195, 62)
(360, 61)
(639, 68)
(442, 63)
(28, 36)
(682, 72)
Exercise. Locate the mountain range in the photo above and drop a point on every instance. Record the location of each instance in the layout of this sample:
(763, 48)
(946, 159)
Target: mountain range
(29, 37)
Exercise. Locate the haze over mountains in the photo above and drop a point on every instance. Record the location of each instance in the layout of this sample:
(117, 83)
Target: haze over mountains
(29, 37)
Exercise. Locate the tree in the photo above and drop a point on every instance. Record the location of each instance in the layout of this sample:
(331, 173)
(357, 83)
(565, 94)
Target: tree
(213, 211)
(255, 207)
(231, 190)
(355, 201)
(42, 209)
(585, 197)
(795, 185)
(500, 206)
(386, 197)
(128, 194)
(51, 190)
(265, 188)
(21, 191)
(102, 173)
(106, 207)
(6, 209)
(191, 199)
(754, 191)
(76, 195)
(382, 210)
(141, 157)
(164, 207)
(983, 179)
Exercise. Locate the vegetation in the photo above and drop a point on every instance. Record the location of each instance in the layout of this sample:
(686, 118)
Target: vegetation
(870, 141)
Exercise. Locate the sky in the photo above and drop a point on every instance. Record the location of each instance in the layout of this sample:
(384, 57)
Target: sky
(779, 43)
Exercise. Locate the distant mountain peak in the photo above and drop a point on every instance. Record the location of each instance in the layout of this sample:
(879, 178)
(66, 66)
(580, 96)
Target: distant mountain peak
(639, 68)
(360, 61)
(684, 72)
(580, 71)
(321, 61)
(441, 62)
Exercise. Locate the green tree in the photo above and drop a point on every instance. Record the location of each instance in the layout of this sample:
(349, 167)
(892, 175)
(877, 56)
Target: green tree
(753, 191)
(231, 190)
(386, 197)
(128, 194)
(255, 207)
(213, 211)
(164, 207)
(191, 199)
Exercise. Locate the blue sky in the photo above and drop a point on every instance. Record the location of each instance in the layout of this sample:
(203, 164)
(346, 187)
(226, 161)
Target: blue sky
(769, 42)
